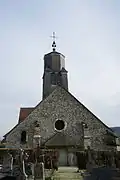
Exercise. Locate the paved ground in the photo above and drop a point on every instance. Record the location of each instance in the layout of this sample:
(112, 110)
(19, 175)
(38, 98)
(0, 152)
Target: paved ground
(67, 173)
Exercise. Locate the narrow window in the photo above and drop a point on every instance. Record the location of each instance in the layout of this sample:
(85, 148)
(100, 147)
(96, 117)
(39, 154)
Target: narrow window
(23, 137)
(53, 79)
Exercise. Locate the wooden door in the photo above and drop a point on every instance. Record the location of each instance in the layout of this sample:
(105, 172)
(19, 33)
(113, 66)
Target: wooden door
(62, 157)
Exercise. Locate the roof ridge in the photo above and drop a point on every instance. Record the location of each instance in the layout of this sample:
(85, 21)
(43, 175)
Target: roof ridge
(87, 109)
(26, 107)
(30, 112)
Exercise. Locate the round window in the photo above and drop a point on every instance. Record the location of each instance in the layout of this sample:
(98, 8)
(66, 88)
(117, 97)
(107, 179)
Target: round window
(59, 125)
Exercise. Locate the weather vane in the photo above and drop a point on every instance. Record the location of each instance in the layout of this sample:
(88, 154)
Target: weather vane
(54, 43)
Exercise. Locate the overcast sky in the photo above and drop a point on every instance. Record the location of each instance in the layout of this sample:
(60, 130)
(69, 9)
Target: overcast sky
(88, 35)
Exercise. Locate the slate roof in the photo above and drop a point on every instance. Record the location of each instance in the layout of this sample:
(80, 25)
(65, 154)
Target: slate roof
(116, 130)
(53, 53)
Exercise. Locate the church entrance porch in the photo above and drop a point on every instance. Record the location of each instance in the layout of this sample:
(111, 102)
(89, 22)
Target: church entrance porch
(63, 156)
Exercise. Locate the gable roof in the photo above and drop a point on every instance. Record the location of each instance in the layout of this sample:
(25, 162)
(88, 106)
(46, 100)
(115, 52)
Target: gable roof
(24, 112)
(29, 111)
(25, 115)
(91, 112)
(116, 130)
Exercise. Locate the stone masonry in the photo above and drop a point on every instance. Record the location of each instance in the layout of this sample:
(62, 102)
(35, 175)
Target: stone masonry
(60, 104)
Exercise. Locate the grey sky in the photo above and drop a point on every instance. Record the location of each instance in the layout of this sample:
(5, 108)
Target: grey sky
(89, 37)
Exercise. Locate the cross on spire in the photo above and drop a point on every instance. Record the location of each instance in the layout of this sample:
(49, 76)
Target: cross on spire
(54, 43)
(53, 36)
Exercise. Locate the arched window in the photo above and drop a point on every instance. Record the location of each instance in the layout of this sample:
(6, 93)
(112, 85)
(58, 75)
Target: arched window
(23, 137)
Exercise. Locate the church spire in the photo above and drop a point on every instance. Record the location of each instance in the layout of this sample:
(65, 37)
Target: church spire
(54, 43)
(54, 70)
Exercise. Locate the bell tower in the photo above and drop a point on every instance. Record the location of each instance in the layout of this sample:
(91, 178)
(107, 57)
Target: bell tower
(54, 71)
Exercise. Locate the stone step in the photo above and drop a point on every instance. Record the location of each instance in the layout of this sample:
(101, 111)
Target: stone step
(67, 173)
(68, 176)
(76, 177)
(55, 178)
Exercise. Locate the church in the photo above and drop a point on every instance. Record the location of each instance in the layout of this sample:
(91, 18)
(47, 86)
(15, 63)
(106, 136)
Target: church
(59, 121)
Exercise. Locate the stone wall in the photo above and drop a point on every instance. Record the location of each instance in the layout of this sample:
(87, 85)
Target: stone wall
(61, 105)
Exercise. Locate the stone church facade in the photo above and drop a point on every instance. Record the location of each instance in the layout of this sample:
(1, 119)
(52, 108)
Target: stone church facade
(60, 121)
